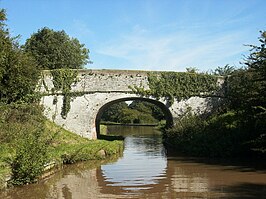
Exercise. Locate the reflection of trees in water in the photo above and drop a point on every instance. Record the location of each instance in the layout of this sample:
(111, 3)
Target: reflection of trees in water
(150, 146)
(132, 130)
(66, 192)
(196, 177)
(245, 190)
(28, 191)
(147, 139)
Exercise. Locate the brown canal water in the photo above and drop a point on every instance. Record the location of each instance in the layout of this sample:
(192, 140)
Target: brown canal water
(146, 171)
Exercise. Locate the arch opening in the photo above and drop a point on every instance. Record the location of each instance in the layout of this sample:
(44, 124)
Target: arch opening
(166, 112)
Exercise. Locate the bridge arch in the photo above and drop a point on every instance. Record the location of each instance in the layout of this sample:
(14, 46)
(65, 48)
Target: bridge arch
(95, 90)
(167, 113)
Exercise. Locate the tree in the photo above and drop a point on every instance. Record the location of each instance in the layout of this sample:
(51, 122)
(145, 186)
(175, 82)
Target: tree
(256, 63)
(55, 50)
(129, 116)
(18, 71)
(192, 70)
(257, 58)
(247, 92)
(248, 86)
(113, 112)
(224, 71)
(147, 108)
(137, 112)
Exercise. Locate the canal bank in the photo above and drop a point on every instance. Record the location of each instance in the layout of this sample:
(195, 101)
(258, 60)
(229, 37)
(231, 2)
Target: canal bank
(64, 148)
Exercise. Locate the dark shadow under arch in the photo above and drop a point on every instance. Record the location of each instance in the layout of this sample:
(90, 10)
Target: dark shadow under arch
(167, 114)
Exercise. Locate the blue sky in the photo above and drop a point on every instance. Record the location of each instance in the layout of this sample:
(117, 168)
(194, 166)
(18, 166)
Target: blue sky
(147, 34)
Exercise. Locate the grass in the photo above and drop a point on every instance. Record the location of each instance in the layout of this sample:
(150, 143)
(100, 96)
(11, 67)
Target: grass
(5, 170)
(65, 147)
(68, 147)
(103, 129)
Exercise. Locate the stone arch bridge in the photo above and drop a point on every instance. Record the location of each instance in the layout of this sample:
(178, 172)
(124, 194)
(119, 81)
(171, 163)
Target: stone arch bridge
(97, 89)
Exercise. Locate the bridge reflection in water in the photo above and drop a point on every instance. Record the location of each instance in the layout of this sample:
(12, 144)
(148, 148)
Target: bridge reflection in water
(145, 171)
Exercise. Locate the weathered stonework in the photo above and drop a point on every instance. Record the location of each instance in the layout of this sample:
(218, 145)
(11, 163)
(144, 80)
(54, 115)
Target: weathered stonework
(96, 88)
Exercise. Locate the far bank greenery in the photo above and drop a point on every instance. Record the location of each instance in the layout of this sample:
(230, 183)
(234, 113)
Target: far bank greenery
(28, 142)
(137, 112)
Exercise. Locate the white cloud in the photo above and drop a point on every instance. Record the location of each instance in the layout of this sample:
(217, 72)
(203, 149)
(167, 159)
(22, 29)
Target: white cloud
(176, 51)
(80, 29)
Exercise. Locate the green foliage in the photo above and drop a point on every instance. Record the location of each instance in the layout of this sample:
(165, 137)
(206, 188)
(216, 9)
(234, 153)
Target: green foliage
(55, 50)
(247, 93)
(17, 122)
(192, 70)
(224, 71)
(22, 132)
(18, 71)
(138, 112)
(2, 17)
(257, 59)
(173, 85)
(103, 129)
(129, 116)
(16, 117)
(243, 92)
(112, 113)
(30, 158)
(147, 108)
(62, 80)
(219, 136)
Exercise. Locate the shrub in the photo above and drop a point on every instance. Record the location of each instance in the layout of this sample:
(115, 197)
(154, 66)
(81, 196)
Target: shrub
(30, 158)
(22, 130)
(221, 135)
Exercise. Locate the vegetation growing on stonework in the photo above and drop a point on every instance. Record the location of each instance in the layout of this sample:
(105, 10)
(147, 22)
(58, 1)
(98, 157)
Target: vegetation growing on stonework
(62, 80)
(174, 85)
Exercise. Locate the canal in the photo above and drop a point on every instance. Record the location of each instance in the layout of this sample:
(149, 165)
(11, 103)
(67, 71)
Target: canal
(146, 170)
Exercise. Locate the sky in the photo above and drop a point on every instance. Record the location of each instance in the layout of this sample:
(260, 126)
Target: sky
(165, 35)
